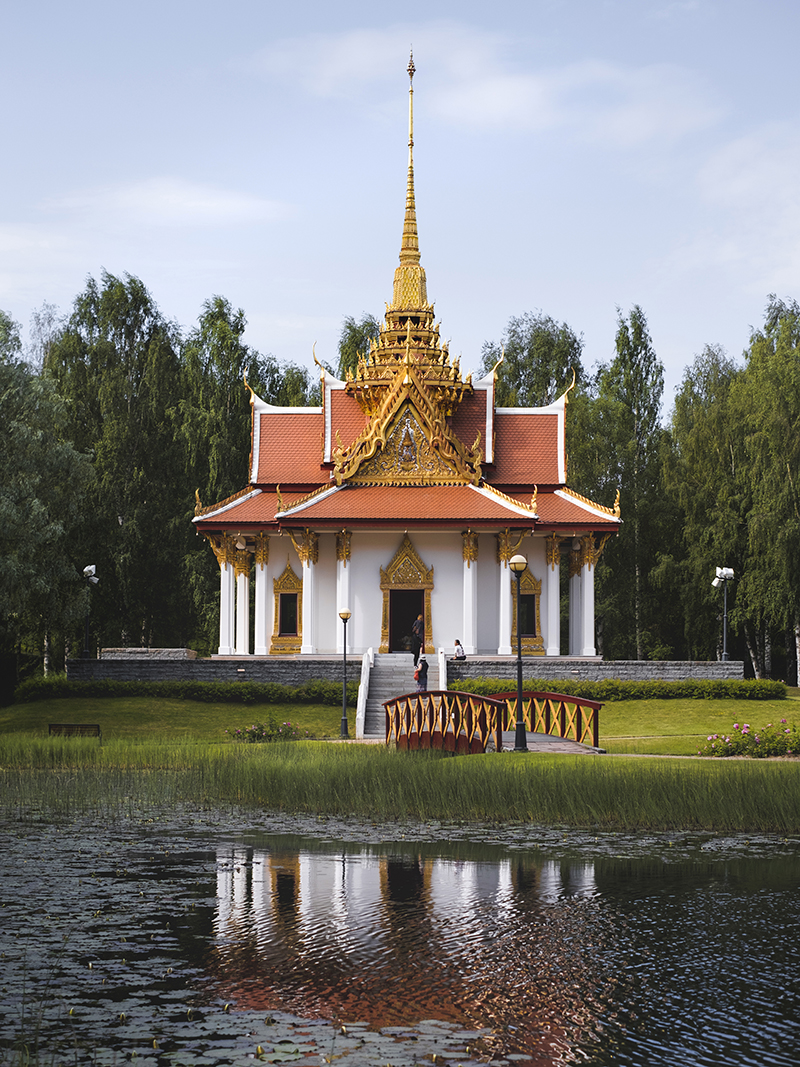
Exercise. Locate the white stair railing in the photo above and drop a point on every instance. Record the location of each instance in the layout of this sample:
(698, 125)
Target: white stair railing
(367, 663)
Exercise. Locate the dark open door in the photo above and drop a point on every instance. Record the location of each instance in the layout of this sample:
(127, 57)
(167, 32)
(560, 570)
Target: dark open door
(404, 606)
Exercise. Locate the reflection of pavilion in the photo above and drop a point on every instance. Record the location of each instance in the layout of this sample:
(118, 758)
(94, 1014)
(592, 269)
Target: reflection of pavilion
(399, 938)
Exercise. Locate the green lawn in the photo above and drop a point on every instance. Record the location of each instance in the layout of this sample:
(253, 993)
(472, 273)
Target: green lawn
(149, 718)
(658, 727)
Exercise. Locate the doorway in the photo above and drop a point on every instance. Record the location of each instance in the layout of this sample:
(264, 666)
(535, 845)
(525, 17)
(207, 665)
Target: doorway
(404, 606)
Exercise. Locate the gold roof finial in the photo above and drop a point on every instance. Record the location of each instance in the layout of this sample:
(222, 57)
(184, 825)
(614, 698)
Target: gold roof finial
(410, 289)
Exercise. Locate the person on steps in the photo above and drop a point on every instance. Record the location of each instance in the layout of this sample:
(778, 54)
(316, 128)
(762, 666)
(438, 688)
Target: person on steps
(417, 638)
(421, 675)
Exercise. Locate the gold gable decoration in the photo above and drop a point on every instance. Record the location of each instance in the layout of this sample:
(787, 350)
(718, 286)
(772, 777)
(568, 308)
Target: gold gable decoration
(530, 586)
(406, 571)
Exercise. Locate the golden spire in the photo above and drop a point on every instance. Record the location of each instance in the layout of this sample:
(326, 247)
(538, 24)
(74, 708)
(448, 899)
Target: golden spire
(410, 290)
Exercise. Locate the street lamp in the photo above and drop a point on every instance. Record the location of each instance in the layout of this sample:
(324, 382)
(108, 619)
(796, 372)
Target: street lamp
(345, 732)
(518, 564)
(724, 575)
(91, 579)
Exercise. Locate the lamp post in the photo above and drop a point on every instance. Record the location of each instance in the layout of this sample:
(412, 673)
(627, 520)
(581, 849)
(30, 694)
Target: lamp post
(724, 575)
(345, 732)
(91, 579)
(518, 564)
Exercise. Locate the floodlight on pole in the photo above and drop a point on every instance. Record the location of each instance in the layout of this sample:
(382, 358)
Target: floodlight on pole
(90, 574)
(722, 577)
(518, 565)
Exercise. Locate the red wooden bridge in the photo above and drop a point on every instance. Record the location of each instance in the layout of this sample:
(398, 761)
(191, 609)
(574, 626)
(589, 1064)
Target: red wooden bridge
(465, 722)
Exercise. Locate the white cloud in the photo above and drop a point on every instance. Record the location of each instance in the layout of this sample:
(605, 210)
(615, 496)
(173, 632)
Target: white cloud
(168, 201)
(476, 79)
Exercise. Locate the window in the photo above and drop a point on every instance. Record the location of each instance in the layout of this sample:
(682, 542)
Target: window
(287, 623)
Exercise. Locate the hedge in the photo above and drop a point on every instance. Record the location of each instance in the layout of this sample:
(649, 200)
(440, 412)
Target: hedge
(313, 692)
(611, 689)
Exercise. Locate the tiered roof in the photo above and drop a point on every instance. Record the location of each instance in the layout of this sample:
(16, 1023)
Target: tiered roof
(406, 441)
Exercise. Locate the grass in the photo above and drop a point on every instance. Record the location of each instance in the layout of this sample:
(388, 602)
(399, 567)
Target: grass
(157, 718)
(70, 777)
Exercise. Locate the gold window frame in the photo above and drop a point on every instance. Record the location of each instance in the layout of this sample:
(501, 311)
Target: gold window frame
(531, 646)
(288, 582)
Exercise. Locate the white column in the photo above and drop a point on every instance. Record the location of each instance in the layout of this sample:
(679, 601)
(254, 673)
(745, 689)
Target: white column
(264, 631)
(504, 622)
(587, 610)
(243, 605)
(309, 645)
(552, 609)
(575, 622)
(470, 607)
(342, 604)
(226, 593)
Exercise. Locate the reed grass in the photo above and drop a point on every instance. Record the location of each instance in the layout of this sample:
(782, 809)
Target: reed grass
(75, 776)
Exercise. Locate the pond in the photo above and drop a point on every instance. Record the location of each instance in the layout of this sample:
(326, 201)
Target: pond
(227, 938)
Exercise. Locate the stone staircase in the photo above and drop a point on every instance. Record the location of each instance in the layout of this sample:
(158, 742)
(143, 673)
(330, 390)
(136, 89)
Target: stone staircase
(392, 674)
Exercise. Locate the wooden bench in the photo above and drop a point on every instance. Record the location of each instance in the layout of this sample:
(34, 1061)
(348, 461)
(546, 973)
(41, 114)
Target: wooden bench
(74, 729)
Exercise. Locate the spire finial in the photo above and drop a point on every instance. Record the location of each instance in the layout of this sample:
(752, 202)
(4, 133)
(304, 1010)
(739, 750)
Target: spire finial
(409, 281)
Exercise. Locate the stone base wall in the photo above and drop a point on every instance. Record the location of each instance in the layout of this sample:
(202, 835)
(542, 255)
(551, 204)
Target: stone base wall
(594, 670)
(287, 670)
(148, 653)
(295, 670)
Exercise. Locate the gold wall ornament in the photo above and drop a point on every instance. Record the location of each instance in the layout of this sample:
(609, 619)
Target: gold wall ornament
(343, 545)
(198, 505)
(406, 571)
(288, 583)
(575, 560)
(535, 499)
(592, 550)
(262, 550)
(553, 548)
(241, 564)
(469, 546)
(532, 644)
(307, 547)
(617, 508)
(280, 498)
(506, 547)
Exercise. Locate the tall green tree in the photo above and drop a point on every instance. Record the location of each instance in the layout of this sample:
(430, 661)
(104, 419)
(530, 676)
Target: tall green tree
(629, 391)
(540, 357)
(43, 480)
(354, 341)
(704, 473)
(117, 364)
(767, 400)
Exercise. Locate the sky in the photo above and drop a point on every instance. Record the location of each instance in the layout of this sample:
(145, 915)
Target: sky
(573, 157)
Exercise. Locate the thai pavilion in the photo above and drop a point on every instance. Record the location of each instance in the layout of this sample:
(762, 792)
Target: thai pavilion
(407, 492)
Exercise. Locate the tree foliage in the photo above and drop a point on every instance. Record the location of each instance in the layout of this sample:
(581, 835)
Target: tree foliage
(540, 356)
(354, 341)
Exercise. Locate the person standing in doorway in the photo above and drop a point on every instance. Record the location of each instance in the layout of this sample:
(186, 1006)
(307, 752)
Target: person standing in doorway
(421, 675)
(417, 638)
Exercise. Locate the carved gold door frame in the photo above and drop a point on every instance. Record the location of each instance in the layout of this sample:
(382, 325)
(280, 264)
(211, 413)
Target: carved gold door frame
(531, 646)
(406, 571)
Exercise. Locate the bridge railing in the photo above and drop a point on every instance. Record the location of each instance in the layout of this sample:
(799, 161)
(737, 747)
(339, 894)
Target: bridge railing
(446, 720)
(557, 714)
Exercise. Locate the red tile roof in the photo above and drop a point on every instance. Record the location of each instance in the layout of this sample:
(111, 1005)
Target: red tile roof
(526, 448)
(290, 448)
(346, 417)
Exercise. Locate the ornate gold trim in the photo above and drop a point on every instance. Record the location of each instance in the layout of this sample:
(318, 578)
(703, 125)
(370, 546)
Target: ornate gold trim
(261, 550)
(406, 571)
(531, 646)
(241, 563)
(505, 546)
(307, 547)
(469, 546)
(586, 500)
(343, 545)
(223, 503)
(287, 582)
(553, 548)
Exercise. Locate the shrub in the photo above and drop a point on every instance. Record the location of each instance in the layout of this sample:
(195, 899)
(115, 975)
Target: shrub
(314, 692)
(611, 689)
(272, 730)
(775, 739)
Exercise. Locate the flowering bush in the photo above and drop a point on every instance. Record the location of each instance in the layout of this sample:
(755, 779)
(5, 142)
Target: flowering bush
(268, 731)
(774, 739)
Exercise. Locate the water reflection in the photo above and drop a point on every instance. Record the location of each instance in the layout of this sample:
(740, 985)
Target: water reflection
(514, 944)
